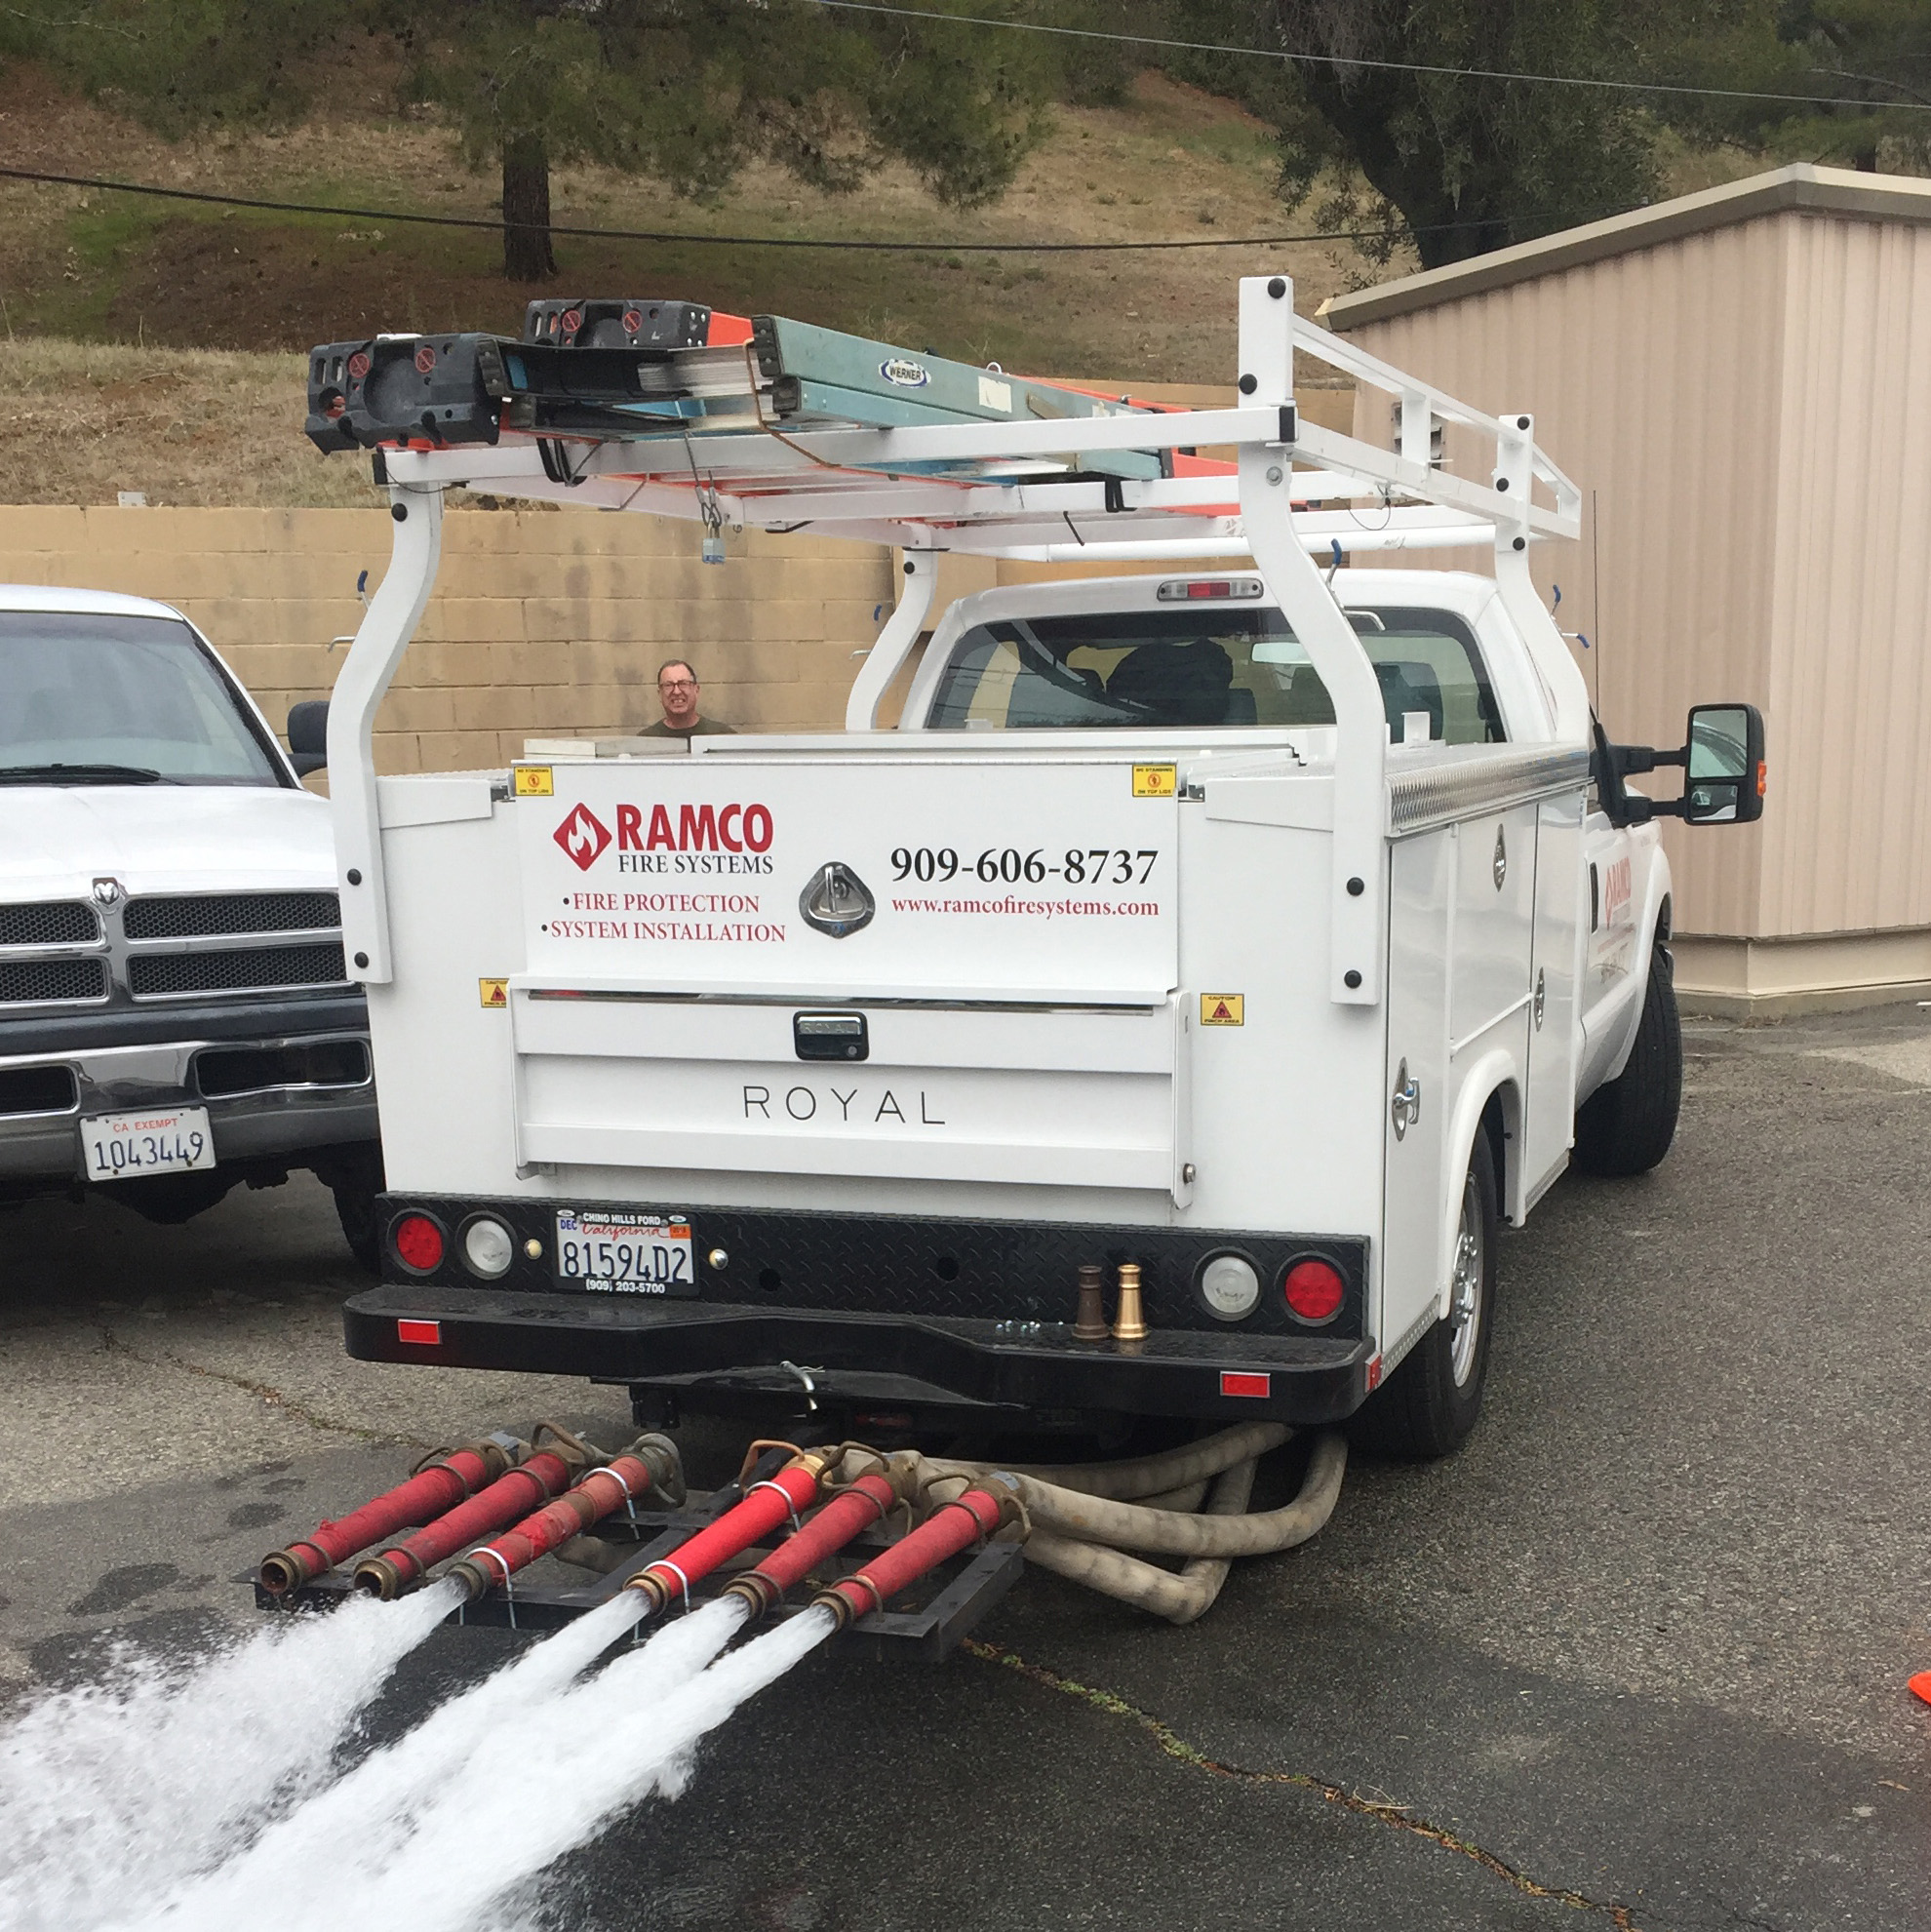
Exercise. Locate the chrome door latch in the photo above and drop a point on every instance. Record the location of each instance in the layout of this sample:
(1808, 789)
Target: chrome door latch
(1541, 996)
(1501, 866)
(1405, 1110)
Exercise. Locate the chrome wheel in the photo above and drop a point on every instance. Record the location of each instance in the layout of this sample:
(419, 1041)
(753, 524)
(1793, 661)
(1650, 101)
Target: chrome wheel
(1465, 1289)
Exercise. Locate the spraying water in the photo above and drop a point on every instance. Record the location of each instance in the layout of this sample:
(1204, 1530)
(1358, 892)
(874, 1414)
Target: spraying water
(372, 1805)
(123, 1788)
(610, 1742)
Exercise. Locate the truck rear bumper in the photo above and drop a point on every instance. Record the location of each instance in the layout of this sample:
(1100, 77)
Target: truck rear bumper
(881, 1360)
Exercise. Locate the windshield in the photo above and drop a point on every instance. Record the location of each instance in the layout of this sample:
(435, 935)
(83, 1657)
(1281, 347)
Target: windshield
(91, 699)
(1190, 667)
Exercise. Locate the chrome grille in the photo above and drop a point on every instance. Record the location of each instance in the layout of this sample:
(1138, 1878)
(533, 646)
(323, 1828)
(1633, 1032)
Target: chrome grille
(214, 915)
(49, 922)
(25, 980)
(247, 969)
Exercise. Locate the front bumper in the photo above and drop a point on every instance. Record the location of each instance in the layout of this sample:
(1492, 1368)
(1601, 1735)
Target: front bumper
(123, 1061)
(884, 1313)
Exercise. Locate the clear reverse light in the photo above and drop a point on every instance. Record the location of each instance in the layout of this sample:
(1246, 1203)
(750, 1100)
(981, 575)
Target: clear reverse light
(1230, 1287)
(486, 1247)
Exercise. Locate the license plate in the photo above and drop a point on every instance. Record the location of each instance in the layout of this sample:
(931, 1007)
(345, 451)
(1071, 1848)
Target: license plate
(623, 1252)
(119, 1146)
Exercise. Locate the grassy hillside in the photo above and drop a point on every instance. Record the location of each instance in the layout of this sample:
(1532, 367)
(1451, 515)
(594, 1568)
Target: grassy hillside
(154, 345)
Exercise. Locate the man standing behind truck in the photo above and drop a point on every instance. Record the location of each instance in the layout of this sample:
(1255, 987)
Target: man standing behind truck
(677, 693)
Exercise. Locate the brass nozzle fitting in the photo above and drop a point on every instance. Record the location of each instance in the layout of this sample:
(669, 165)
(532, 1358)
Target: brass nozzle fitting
(1089, 1324)
(659, 1455)
(1131, 1323)
(376, 1576)
(759, 1592)
(653, 1587)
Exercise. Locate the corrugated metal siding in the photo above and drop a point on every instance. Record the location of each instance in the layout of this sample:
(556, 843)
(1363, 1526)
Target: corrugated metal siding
(1851, 685)
(1654, 379)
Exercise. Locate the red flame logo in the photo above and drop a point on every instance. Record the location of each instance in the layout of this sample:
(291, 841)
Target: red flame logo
(582, 836)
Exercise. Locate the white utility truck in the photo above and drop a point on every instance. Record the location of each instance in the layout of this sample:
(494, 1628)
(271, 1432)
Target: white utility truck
(1159, 1020)
(175, 1016)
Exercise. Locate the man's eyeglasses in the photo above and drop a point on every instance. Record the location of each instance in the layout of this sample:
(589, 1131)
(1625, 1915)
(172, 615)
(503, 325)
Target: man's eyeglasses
(677, 683)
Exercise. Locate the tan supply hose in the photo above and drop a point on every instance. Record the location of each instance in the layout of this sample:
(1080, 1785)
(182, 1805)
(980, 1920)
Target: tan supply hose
(1171, 1469)
(1168, 1533)
(1181, 1599)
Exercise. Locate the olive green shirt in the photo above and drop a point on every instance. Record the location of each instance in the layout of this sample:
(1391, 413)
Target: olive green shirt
(706, 727)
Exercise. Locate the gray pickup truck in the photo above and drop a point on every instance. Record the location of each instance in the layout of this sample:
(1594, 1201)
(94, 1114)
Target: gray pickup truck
(174, 1016)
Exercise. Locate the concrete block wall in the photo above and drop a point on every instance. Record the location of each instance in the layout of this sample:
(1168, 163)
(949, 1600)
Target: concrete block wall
(544, 624)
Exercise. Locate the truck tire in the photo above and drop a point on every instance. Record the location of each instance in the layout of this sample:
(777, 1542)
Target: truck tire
(1427, 1408)
(355, 1178)
(1626, 1124)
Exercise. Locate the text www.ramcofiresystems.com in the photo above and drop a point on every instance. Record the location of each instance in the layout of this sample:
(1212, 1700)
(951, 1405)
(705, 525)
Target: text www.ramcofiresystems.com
(1037, 908)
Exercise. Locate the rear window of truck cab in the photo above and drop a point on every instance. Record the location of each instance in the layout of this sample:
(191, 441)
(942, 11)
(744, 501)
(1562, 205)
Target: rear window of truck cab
(1187, 667)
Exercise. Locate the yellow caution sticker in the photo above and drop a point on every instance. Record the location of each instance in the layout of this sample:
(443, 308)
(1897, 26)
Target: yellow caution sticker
(494, 991)
(1223, 1009)
(1155, 781)
(533, 781)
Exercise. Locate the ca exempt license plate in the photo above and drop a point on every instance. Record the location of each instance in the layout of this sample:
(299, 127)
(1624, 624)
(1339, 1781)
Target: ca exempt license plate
(625, 1252)
(119, 1146)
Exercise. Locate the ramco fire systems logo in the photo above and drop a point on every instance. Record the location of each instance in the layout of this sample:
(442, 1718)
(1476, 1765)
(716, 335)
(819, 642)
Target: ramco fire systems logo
(582, 837)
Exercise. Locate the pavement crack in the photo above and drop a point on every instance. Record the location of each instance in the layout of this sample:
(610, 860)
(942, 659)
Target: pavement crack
(264, 1392)
(1383, 1811)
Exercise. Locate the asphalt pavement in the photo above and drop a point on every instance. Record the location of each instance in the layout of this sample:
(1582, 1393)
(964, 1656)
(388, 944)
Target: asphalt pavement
(1637, 1656)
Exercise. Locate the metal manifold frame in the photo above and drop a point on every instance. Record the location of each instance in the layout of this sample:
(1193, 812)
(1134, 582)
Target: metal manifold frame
(932, 1618)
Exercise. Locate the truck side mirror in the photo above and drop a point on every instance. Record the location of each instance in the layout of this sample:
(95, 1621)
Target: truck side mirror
(1724, 774)
(308, 736)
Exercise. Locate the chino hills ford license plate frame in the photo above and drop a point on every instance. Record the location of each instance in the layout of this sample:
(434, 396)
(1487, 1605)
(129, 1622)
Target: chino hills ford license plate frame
(621, 1251)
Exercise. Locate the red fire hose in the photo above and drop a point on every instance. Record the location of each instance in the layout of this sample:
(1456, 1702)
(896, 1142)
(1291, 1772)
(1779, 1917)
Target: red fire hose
(436, 1487)
(944, 1533)
(599, 1494)
(540, 1476)
(793, 1490)
(854, 1507)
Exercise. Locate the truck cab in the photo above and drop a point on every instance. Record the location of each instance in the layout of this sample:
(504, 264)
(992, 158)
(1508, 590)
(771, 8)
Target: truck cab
(176, 1017)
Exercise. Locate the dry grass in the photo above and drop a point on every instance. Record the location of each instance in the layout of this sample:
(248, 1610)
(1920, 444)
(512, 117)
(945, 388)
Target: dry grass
(84, 420)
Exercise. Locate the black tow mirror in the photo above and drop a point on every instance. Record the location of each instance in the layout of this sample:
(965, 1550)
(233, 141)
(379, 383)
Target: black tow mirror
(308, 736)
(1724, 774)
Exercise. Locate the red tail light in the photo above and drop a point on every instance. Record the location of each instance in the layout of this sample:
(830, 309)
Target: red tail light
(418, 1243)
(1314, 1290)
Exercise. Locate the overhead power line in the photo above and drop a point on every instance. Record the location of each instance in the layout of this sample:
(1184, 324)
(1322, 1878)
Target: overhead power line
(1337, 61)
(495, 224)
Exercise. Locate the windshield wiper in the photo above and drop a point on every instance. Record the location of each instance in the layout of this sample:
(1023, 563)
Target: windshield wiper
(81, 775)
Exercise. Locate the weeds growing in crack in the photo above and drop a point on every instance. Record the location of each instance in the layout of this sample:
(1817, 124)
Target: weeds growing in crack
(1383, 1811)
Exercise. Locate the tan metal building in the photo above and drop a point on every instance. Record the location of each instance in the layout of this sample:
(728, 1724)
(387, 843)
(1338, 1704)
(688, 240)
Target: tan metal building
(1740, 381)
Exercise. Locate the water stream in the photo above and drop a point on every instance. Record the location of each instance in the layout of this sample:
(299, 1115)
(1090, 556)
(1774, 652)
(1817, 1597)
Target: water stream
(120, 1789)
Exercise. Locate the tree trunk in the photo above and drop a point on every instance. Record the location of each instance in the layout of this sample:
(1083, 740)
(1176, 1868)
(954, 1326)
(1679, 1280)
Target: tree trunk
(527, 253)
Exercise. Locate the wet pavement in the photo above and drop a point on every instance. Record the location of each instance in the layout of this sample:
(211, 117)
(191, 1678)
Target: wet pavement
(1635, 1656)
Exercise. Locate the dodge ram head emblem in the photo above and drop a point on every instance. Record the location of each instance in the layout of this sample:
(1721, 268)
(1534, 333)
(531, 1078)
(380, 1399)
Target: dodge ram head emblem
(107, 891)
(836, 901)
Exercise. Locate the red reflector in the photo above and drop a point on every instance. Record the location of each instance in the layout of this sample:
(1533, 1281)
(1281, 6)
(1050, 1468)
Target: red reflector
(1314, 1290)
(429, 1333)
(425, 359)
(1233, 1383)
(573, 320)
(633, 321)
(418, 1243)
(358, 364)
